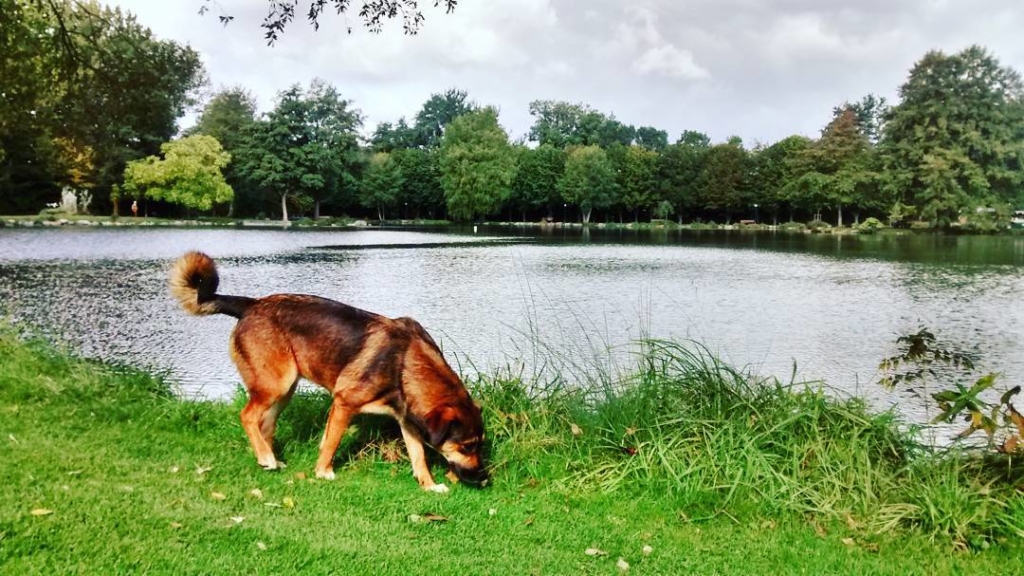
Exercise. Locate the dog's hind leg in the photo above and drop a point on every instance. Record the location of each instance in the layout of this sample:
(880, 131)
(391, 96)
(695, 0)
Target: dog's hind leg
(269, 390)
(337, 423)
(268, 424)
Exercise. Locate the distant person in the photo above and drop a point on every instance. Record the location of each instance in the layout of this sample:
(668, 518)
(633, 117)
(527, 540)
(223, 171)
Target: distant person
(135, 208)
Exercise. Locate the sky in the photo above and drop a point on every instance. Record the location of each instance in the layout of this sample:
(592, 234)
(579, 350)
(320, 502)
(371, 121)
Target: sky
(759, 69)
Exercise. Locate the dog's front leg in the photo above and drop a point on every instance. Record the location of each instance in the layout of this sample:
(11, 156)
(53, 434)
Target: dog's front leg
(418, 457)
(337, 423)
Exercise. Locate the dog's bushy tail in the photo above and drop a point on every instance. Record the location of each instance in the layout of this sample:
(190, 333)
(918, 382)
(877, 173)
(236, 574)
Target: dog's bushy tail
(193, 281)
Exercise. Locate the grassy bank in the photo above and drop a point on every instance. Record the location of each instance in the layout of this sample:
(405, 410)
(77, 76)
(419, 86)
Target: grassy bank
(105, 471)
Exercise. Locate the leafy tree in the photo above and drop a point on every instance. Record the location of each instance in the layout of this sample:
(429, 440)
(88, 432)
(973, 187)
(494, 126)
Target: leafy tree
(228, 116)
(775, 167)
(304, 149)
(188, 175)
(840, 160)
(563, 124)
(955, 137)
(477, 165)
(536, 183)
(722, 186)
(651, 138)
(387, 137)
(638, 180)
(421, 180)
(870, 112)
(588, 180)
(679, 167)
(695, 139)
(437, 113)
(381, 184)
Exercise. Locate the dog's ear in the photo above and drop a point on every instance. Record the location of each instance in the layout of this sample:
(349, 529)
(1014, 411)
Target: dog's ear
(438, 423)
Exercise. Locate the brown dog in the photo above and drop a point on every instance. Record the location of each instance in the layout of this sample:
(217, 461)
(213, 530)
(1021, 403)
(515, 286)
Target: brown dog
(370, 364)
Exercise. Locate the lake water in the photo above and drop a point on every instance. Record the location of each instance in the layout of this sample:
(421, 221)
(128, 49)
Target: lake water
(529, 299)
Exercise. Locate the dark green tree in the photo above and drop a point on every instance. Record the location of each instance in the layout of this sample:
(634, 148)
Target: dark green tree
(381, 184)
(228, 116)
(536, 183)
(775, 167)
(437, 113)
(588, 180)
(954, 140)
(639, 180)
(723, 184)
(679, 167)
(421, 187)
(477, 165)
(651, 138)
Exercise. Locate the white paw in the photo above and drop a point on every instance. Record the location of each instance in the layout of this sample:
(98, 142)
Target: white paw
(271, 466)
(325, 474)
(438, 489)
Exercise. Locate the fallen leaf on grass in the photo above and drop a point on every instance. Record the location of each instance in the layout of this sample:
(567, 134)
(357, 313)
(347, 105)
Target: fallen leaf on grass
(218, 496)
(173, 469)
(256, 493)
(200, 470)
(272, 505)
(529, 521)
(622, 565)
(848, 541)
(261, 545)
(492, 511)
(288, 502)
(74, 473)
(12, 438)
(427, 518)
(300, 475)
(176, 525)
(576, 430)
(647, 550)
(595, 552)
(237, 519)
(41, 512)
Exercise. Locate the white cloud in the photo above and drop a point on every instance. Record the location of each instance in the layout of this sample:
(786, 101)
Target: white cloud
(667, 60)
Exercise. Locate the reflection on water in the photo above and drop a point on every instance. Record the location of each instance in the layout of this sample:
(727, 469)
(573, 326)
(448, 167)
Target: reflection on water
(518, 298)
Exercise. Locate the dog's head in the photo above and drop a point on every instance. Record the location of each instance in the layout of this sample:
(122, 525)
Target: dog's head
(457, 432)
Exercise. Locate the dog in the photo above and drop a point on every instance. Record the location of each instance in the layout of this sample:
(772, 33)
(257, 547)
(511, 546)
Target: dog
(369, 363)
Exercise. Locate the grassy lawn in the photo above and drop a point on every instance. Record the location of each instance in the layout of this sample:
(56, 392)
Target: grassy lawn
(104, 472)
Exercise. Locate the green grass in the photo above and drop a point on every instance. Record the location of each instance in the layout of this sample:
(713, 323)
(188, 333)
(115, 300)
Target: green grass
(716, 472)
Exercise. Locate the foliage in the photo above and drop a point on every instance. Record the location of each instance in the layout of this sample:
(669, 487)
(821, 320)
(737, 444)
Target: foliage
(679, 167)
(189, 174)
(421, 180)
(915, 363)
(382, 181)
(722, 186)
(638, 179)
(588, 180)
(536, 182)
(564, 124)
(955, 137)
(870, 112)
(477, 165)
(305, 148)
(870, 226)
(437, 113)
(775, 167)
(228, 116)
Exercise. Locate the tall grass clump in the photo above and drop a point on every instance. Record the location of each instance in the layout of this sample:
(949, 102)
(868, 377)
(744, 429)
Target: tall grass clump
(714, 440)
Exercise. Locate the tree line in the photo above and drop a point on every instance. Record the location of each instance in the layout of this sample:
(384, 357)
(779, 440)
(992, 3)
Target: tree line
(949, 151)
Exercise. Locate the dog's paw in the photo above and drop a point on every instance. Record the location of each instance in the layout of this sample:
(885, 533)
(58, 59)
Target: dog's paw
(273, 466)
(325, 474)
(438, 489)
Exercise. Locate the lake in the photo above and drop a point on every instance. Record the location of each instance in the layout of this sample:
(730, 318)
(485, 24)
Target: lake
(531, 299)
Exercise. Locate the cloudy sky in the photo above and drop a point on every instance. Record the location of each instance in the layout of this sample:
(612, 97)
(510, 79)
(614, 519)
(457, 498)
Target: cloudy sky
(760, 69)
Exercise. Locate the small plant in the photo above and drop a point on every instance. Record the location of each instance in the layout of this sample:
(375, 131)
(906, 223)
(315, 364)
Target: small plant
(915, 363)
(818, 226)
(792, 227)
(869, 226)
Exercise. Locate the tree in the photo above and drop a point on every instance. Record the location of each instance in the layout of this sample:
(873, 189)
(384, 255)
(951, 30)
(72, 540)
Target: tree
(477, 165)
(381, 184)
(679, 167)
(638, 180)
(421, 180)
(775, 168)
(536, 182)
(437, 113)
(841, 161)
(304, 149)
(188, 175)
(563, 124)
(651, 138)
(955, 137)
(228, 116)
(387, 137)
(722, 186)
(588, 180)
(870, 112)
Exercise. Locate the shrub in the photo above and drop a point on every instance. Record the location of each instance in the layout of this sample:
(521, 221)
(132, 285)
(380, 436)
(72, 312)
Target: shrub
(818, 226)
(869, 226)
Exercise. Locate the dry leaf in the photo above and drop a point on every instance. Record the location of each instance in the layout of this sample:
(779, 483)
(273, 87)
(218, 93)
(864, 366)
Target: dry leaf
(630, 431)
(434, 518)
(595, 552)
(261, 545)
(288, 502)
(300, 475)
(272, 505)
(218, 496)
(237, 519)
(74, 473)
(819, 530)
(41, 512)
(622, 564)
(647, 550)
(492, 511)
(452, 477)
(576, 430)
(176, 525)
(173, 469)
(852, 523)
(529, 521)
(256, 493)
(848, 541)
(200, 470)
(415, 518)
(12, 438)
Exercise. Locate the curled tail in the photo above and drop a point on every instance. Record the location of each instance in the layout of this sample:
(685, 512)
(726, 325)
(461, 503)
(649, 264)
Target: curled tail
(193, 281)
